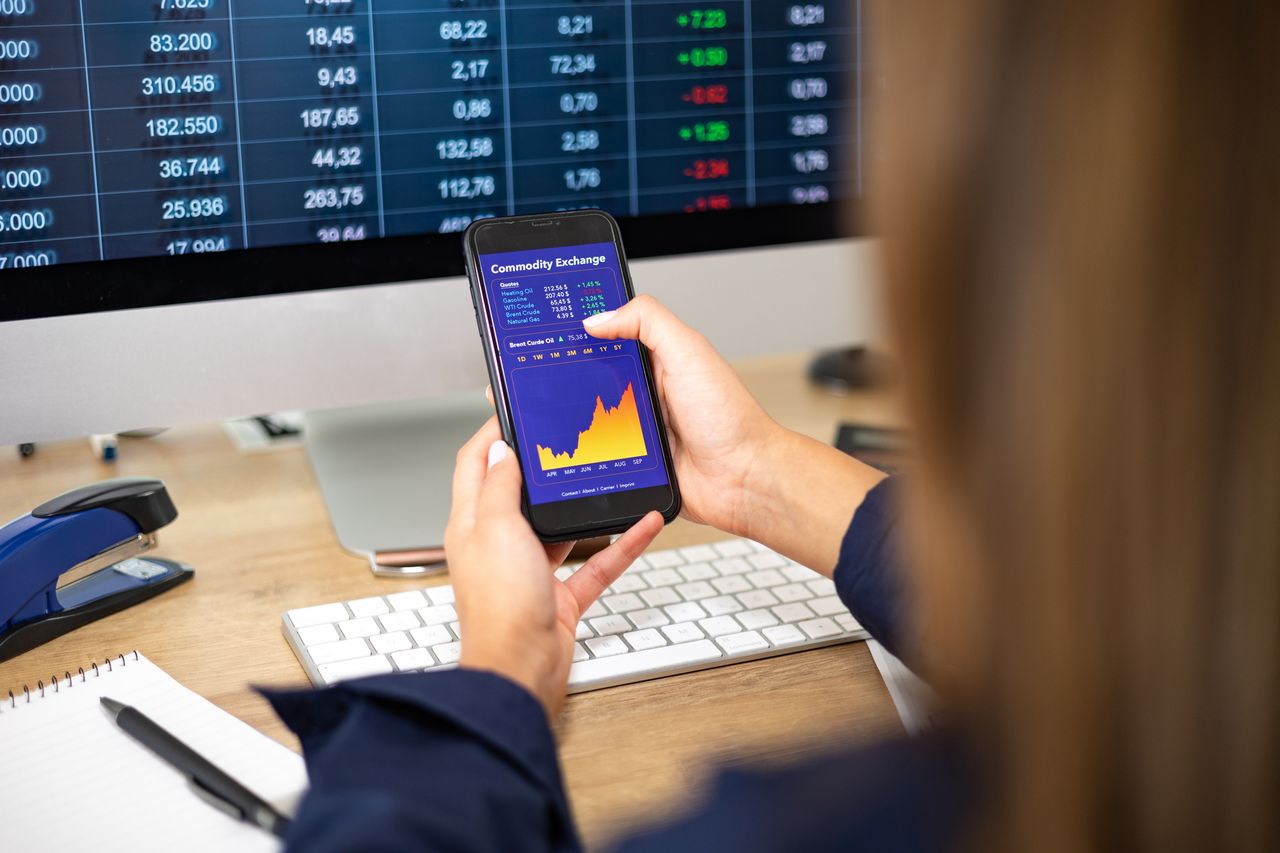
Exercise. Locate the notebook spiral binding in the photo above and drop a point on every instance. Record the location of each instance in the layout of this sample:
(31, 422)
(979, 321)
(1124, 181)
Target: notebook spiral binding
(68, 680)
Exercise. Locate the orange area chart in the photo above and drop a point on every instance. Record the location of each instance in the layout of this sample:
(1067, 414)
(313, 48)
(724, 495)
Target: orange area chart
(614, 434)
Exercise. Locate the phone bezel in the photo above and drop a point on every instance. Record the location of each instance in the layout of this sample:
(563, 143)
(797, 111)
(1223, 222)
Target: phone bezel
(580, 517)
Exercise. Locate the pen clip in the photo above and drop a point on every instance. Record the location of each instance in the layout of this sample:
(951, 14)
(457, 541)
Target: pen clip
(266, 817)
(205, 793)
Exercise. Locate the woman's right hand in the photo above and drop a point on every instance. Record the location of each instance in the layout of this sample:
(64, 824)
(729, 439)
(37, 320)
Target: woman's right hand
(737, 468)
(718, 431)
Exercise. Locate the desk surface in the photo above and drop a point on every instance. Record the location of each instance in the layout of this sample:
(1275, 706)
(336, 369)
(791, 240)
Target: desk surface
(255, 529)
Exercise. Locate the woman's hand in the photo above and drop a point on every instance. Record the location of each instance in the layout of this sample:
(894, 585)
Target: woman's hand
(718, 431)
(738, 469)
(517, 619)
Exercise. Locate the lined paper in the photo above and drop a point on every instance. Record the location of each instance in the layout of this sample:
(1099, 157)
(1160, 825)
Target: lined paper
(73, 780)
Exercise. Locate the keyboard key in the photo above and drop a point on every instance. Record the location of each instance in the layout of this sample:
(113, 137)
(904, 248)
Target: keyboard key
(440, 595)
(683, 632)
(326, 633)
(784, 635)
(766, 578)
(410, 600)
(385, 644)
(719, 625)
(579, 653)
(699, 553)
(646, 639)
(686, 611)
(624, 603)
(447, 652)
(820, 629)
(401, 620)
(606, 625)
(413, 659)
(828, 606)
(432, 635)
(457, 631)
(732, 548)
(757, 598)
(651, 618)
(662, 559)
(341, 650)
(640, 664)
(732, 566)
(583, 631)
(743, 643)
(733, 583)
(305, 617)
(848, 623)
(331, 673)
(441, 614)
(767, 560)
(756, 619)
(720, 605)
(697, 572)
(798, 573)
(696, 590)
(368, 606)
(564, 573)
(596, 609)
(353, 628)
(660, 597)
(628, 583)
(822, 586)
(792, 592)
(793, 612)
(663, 577)
(603, 647)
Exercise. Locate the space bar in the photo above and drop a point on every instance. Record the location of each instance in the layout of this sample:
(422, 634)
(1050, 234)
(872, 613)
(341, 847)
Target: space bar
(648, 662)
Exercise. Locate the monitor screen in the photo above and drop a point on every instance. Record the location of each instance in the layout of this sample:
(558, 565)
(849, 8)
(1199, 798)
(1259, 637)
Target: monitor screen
(166, 129)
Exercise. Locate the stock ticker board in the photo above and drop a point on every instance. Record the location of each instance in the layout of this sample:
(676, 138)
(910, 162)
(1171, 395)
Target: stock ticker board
(149, 127)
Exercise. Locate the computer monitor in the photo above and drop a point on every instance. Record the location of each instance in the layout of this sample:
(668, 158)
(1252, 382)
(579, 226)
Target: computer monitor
(212, 208)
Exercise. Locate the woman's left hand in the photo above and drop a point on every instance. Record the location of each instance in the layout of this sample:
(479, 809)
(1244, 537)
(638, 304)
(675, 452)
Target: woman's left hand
(516, 618)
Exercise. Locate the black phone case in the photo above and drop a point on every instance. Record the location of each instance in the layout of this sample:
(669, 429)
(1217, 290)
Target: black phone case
(502, 401)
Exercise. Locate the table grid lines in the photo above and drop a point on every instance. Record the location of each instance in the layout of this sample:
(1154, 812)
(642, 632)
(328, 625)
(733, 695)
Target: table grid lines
(235, 87)
(377, 129)
(93, 154)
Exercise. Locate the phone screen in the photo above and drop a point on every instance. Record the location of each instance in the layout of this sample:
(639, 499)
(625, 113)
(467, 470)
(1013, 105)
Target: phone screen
(580, 408)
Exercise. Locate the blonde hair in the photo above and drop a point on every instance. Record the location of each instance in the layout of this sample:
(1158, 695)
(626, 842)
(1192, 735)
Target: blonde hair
(1081, 209)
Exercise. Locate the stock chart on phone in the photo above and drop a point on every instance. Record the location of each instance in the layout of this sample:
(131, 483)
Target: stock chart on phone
(152, 127)
(582, 414)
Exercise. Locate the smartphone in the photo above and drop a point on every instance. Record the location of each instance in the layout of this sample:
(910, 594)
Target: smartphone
(580, 412)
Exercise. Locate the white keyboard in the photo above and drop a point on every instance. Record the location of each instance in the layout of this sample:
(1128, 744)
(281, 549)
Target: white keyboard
(671, 612)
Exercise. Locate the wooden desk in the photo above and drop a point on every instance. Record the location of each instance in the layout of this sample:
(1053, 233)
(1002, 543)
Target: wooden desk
(255, 529)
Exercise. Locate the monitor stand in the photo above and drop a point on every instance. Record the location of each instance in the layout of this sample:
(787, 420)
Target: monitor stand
(386, 471)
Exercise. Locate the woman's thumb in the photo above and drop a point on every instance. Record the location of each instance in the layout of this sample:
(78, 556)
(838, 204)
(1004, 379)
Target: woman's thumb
(640, 319)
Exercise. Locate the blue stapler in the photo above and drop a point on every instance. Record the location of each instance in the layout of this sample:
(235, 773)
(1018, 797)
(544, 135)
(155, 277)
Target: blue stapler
(74, 559)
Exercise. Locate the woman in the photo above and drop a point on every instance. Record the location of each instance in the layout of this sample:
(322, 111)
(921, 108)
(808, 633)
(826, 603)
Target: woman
(1080, 208)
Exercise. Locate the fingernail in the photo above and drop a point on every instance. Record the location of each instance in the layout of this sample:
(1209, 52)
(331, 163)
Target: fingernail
(597, 319)
(497, 452)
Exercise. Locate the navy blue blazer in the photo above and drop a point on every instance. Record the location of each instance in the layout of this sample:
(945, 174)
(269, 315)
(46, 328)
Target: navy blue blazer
(466, 760)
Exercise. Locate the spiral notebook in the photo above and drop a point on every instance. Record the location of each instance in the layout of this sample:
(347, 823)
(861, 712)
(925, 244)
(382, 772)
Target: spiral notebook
(74, 781)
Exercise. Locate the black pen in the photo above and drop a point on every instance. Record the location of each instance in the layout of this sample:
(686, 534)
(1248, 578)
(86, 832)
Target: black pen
(208, 781)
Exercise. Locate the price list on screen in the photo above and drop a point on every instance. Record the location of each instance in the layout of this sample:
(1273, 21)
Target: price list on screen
(174, 127)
